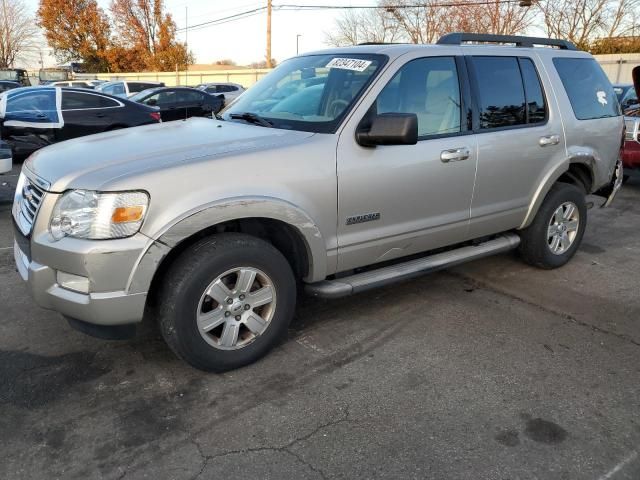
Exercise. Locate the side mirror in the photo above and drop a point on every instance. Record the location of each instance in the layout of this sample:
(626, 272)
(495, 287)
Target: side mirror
(389, 129)
(152, 102)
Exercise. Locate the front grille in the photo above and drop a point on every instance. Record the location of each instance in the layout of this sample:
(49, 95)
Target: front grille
(31, 199)
(27, 201)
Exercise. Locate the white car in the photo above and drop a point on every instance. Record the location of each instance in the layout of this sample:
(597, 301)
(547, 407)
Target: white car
(6, 158)
(126, 89)
(231, 91)
(78, 83)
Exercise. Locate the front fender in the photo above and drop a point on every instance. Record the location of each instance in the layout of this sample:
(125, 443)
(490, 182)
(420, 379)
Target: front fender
(222, 211)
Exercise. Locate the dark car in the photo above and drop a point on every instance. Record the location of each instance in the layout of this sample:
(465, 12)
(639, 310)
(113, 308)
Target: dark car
(179, 103)
(8, 85)
(626, 94)
(34, 117)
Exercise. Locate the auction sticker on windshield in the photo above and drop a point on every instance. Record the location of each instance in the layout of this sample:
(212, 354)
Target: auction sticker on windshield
(355, 64)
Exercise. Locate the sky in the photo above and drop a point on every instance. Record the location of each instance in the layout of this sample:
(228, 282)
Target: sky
(244, 40)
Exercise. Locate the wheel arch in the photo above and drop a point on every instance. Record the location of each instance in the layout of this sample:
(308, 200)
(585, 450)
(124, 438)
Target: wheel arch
(576, 171)
(288, 228)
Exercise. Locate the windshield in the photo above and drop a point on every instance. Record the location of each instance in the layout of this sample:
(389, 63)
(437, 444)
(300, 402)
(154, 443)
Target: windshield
(9, 75)
(311, 93)
(55, 75)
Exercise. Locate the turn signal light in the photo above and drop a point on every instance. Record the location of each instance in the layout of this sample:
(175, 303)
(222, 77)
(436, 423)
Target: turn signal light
(127, 214)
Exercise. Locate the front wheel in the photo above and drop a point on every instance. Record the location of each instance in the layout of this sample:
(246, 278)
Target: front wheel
(227, 301)
(557, 230)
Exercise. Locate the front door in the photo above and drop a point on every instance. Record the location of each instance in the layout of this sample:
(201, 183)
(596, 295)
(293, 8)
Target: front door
(399, 200)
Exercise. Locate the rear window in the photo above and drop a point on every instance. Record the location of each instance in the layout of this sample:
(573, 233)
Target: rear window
(589, 90)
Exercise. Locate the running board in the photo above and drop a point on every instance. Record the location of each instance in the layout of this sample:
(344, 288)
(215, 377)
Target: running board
(360, 282)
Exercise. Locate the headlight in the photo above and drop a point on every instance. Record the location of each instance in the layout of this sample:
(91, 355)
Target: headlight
(98, 216)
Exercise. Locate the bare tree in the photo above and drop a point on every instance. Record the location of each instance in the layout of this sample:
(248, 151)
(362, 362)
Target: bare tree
(497, 17)
(18, 32)
(583, 21)
(356, 27)
(422, 22)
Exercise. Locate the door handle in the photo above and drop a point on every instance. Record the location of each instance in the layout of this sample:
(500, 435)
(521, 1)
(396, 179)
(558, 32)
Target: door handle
(455, 155)
(549, 140)
(100, 115)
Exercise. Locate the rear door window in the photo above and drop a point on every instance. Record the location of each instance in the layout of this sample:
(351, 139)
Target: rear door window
(588, 88)
(501, 92)
(536, 104)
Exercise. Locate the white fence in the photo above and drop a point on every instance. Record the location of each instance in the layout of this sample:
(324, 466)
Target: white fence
(618, 67)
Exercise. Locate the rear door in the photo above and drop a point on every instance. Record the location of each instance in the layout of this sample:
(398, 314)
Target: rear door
(519, 138)
(193, 103)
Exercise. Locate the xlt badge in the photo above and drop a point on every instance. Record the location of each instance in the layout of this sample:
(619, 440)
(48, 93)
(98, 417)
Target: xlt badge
(365, 217)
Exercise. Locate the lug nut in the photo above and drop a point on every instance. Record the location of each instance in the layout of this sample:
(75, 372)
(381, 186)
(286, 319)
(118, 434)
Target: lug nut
(238, 317)
(247, 307)
(241, 297)
(227, 314)
(229, 301)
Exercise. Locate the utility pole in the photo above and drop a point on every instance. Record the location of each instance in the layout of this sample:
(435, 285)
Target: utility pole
(298, 43)
(269, 34)
(186, 45)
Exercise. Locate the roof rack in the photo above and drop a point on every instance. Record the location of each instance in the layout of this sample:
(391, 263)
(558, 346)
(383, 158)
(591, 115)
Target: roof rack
(525, 42)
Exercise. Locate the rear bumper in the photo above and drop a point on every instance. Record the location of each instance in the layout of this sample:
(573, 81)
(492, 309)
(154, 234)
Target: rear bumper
(611, 190)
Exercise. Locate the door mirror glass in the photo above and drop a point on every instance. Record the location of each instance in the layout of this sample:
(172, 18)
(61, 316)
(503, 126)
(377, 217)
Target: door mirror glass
(389, 129)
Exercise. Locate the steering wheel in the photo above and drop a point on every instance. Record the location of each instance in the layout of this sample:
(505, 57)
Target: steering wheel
(334, 107)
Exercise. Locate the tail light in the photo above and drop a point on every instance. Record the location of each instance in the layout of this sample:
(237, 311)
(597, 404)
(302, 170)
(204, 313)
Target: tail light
(155, 116)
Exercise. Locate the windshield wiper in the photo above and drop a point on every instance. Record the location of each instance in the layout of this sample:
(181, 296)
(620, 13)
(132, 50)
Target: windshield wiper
(251, 118)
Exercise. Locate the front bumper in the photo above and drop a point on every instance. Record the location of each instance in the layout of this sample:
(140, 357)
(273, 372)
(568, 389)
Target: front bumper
(108, 308)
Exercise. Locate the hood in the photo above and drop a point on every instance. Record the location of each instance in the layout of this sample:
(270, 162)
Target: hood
(151, 147)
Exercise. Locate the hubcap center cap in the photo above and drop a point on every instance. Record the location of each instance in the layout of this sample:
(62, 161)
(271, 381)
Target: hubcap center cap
(236, 306)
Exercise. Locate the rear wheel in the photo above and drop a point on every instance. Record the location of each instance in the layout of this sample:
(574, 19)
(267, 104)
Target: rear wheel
(555, 234)
(227, 301)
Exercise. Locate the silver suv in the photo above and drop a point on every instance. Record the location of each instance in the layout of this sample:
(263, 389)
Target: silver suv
(340, 171)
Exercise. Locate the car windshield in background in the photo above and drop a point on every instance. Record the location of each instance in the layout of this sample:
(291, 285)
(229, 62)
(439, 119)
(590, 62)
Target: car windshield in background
(8, 75)
(311, 93)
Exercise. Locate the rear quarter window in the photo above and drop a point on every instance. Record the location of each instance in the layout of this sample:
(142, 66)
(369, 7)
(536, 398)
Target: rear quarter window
(588, 88)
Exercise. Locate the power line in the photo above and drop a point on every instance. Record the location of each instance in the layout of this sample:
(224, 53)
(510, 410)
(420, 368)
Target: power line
(294, 7)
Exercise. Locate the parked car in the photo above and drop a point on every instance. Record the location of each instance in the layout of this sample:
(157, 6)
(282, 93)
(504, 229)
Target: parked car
(414, 158)
(126, 89)
(8, 85)
(34, 117)
(179, 103)
(18, 75)
(631, 150)
(6, 157)
(230, 91)
(75, 84)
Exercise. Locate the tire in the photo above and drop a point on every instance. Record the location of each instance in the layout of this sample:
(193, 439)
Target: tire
(209, 266)
(539, 244)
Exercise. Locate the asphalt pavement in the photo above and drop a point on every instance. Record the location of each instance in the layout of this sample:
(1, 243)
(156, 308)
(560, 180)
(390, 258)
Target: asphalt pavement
(492, 370)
